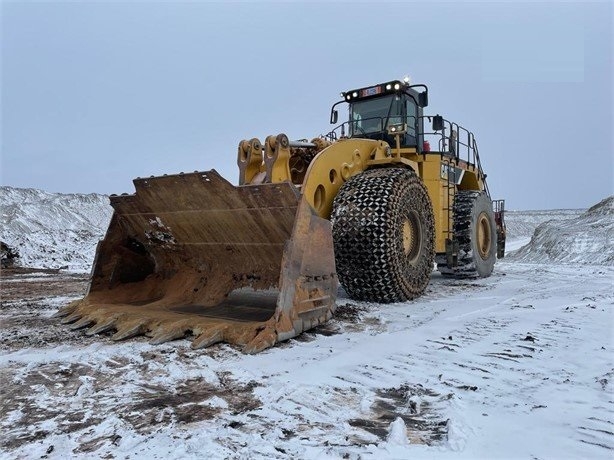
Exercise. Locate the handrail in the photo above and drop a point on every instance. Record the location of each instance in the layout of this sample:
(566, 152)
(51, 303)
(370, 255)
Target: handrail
(457, 141)
(378, 134)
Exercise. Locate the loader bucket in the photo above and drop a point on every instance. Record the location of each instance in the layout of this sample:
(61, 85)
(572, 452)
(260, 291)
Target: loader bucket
(191, 254)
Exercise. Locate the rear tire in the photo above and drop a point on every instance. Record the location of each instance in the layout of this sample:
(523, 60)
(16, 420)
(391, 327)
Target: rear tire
(476, 233)
(383, 235)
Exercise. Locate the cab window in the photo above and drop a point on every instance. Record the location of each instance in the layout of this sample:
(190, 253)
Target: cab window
(371, 115)
(396, 112)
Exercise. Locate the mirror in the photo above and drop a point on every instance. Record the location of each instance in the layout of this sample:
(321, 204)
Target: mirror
(423, 99)
(333, 117)
(437, 123)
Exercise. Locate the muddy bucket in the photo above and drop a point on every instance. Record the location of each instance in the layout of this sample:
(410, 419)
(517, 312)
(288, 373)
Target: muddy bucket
(193, 255)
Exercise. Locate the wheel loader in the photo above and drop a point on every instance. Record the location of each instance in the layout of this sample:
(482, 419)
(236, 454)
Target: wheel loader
(373, 205)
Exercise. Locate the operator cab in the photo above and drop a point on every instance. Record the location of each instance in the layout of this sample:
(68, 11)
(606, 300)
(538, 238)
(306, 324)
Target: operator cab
(378, 111)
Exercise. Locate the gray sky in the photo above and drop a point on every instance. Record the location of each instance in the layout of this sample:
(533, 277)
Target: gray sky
(95, 94)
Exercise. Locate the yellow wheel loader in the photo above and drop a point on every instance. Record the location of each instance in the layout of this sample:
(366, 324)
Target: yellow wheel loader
(373, 205)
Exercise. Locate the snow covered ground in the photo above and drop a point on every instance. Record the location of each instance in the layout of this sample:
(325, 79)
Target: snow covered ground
(518, 365)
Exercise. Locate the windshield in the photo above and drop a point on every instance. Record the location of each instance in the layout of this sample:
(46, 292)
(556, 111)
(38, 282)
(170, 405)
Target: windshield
(374, 115)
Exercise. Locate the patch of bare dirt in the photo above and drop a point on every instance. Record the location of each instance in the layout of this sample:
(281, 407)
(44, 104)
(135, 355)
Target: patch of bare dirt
(350, 313)
(28, 401)
(414, 405)
(59, 398)
(188, 402)
(28, 300)
(20, 284)
(348, 318)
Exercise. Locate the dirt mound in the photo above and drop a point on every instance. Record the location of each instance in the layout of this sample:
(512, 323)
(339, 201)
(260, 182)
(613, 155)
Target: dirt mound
(8, 255)
(52, 230)
(585, 239)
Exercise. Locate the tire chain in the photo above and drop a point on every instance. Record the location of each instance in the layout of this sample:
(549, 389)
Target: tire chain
(367, 218)
(464, 201)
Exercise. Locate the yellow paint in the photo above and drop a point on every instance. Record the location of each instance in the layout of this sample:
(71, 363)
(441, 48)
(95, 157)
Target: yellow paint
(333, 166)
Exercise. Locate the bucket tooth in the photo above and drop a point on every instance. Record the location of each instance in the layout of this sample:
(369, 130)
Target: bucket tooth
(102, 326)
(167, 333)
(83, 322)
(208, 337)
(265, 339)
(71, 318)
(131, 329)
(66, 310)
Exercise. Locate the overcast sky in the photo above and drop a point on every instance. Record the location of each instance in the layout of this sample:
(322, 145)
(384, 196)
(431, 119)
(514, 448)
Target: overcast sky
(96, 94)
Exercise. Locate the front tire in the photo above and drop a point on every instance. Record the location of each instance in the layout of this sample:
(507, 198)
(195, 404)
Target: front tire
(383, 234)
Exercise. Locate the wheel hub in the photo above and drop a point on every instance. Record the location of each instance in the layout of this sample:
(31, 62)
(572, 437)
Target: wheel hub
(412, 236)
(484, 236)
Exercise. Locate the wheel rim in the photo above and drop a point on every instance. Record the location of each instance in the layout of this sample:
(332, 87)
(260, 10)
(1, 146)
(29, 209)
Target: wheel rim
(412, 236)
(484, 236)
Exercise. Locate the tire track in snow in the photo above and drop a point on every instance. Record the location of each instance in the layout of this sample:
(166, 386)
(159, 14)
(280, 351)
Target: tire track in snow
(506, 347)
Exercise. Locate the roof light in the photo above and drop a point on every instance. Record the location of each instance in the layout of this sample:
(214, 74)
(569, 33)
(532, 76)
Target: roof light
(406, 79)
(388, 87)
(397, 85)
(354, 94)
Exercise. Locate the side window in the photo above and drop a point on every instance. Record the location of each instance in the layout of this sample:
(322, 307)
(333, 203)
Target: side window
(412, 117)
(357, 122)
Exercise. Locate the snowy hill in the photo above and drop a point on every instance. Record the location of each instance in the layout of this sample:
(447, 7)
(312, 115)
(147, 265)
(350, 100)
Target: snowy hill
(582, 239)
(53, 230)
(522, 224)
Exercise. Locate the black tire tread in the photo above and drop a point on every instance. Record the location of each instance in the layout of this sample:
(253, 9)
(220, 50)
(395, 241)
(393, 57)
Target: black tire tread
(367, 216)
(464, 203)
